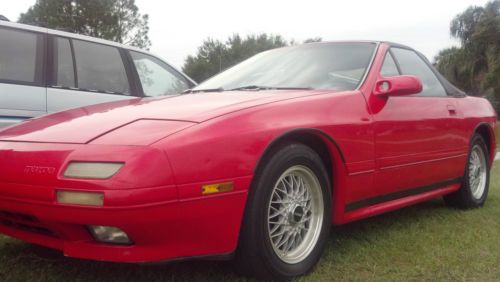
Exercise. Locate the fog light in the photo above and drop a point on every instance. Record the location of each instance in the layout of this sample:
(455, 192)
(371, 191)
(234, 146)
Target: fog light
(92, 170)
(109, 234)
(80, 198)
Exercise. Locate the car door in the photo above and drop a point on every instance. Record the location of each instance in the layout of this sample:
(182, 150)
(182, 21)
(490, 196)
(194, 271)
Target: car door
(417, 141)
(22, 86)
(86, 73)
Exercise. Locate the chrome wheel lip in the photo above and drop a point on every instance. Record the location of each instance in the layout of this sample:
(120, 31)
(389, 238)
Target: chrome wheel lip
(477, 172)
(308, 201)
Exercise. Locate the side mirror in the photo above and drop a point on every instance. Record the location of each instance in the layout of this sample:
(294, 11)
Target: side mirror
(400, 85)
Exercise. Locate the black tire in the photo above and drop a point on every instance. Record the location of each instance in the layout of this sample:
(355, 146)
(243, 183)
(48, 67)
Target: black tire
(464, 197)
(255, 255)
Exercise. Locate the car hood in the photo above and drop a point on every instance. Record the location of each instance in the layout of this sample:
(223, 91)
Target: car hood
(81, 125)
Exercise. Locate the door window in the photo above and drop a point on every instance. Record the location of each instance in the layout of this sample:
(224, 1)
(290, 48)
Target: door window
(389, 67)
(157, 78)
(411, 64)
(21, 56)
(100, 68)
(64, 72)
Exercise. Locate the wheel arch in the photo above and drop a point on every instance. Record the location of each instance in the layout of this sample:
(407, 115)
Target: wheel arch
(488, 135)
(323, 144)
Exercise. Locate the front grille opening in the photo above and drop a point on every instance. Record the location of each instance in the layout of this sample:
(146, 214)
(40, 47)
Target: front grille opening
(18, 216)
(24, 222)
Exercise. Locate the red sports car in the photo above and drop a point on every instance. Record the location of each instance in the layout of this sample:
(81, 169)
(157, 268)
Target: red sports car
(258, 161)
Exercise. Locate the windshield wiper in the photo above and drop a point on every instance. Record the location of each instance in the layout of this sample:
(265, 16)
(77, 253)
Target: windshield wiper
(220, 89)
(258, 88)
(245, 88)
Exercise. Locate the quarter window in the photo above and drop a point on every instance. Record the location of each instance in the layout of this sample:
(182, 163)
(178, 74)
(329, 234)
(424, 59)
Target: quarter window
(411, 64)
(100, 68)
(20, 56)
(157, 78)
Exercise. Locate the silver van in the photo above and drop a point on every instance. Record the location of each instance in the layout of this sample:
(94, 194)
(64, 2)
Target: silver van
(44, 71)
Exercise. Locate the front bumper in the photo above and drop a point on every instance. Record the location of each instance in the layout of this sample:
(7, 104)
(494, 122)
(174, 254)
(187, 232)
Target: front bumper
(162, 224)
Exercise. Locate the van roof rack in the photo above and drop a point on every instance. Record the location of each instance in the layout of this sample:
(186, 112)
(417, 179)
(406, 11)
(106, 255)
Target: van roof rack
(3, 18)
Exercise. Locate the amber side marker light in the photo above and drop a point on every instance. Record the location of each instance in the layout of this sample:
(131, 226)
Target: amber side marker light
(80, 198)
(217, 188)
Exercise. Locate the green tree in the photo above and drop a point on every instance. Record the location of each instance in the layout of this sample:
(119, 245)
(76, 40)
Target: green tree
(214, 56)
(116, 20)
(475, 65)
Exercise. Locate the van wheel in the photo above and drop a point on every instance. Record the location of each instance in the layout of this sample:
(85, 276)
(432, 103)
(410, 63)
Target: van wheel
(287, 217)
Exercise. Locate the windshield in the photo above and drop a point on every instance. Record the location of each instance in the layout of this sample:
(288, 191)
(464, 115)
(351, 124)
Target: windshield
(337, 66)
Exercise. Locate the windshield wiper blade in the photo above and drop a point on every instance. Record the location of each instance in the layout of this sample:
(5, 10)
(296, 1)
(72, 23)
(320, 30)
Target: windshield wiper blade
(248, 87)
(258, 88)
(220, 89)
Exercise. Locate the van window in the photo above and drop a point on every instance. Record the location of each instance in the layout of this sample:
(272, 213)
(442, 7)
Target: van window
(20, 56)
(64, 73)
(157, 78)
(100, 68)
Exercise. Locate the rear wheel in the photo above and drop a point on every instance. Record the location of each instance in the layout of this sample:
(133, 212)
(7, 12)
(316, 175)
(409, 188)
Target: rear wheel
(475, 183)
(288, 215)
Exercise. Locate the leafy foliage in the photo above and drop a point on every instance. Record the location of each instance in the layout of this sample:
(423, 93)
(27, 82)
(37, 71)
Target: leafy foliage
(214, 56)
(116, 20)
(475, 65)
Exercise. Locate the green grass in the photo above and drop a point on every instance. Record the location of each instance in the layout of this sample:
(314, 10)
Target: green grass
(423, 242)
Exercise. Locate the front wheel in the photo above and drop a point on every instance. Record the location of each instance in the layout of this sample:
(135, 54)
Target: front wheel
(476, 180)
(288, 215)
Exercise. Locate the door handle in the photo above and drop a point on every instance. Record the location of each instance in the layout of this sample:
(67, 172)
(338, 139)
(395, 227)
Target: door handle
(452, 110)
